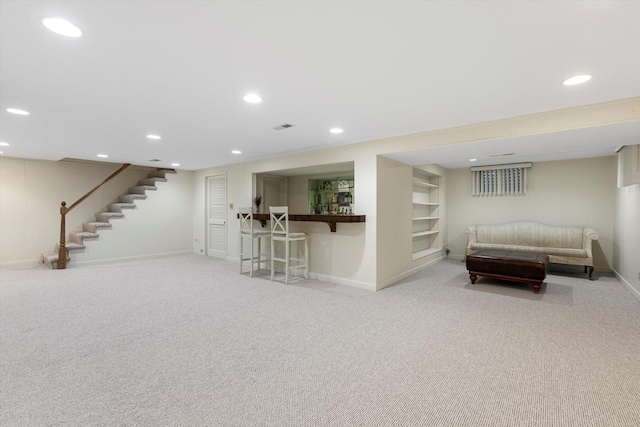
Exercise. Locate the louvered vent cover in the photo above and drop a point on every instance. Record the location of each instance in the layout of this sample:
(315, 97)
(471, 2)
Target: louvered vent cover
(155, 160)
(283, 127)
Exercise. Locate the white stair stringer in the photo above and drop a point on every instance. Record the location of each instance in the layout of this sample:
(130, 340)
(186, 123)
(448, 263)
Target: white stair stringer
(103, 219)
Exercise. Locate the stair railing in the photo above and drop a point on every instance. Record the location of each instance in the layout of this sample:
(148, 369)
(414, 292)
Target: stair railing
(64, 210)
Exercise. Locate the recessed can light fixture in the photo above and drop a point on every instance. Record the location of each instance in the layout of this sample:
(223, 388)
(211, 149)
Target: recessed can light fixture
(4, 144)
(175, 164)
(576, 80)
(1, 152)
(18, 111)
(472, 160)
(62, 27)
(154, 137)
(336, 130)
(252, 98)
(236, 152)
(104, 156)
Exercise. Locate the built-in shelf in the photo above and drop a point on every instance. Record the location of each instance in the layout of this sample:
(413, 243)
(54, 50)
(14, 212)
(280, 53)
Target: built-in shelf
(421, 183)
(330, 196)
(424, 233)
(424, 253)
(426, 221)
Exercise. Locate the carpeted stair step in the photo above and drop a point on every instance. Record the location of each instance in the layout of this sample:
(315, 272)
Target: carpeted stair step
(151, 181)
(106, 216)
(160, 174)
(140, 189)
(118, 207)
(93, 227)
(79, 237)
(51, 259)
(71, 246)
(130, 198)
(125, 201)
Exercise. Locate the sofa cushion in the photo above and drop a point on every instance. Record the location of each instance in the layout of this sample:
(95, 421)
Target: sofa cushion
(578, 253)
(531, 234)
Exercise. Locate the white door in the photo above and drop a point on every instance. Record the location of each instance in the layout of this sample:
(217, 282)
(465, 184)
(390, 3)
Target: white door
(217, 216)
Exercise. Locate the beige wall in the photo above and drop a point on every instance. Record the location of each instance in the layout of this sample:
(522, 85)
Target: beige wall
(575, 192)
(30, 196)
(627, 236)
(29, 189)
(345, 257)
(361, 248)
(394, 221)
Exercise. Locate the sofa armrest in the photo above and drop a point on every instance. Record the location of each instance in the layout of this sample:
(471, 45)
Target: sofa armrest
(471, 232)
(588, 235)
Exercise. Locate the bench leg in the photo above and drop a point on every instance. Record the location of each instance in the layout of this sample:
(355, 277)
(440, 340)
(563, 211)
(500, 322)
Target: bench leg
(473, 278)
(590, 271)
(536, 287)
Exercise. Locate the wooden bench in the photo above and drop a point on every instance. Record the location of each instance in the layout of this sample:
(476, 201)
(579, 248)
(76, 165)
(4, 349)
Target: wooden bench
(507, 265)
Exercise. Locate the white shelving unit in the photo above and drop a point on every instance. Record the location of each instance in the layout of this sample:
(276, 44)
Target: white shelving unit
(426, 235)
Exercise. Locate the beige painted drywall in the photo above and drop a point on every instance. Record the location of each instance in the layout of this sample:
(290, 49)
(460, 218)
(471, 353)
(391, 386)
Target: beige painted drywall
(394, 221)
(566, 193)
(364, 155)
(346, 256)
(627, 236)
(394, 226)
(30, 196)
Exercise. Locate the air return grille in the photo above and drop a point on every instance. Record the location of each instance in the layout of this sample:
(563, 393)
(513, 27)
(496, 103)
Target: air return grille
(283, 127)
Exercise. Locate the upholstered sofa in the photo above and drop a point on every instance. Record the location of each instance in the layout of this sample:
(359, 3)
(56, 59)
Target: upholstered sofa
(564, 245)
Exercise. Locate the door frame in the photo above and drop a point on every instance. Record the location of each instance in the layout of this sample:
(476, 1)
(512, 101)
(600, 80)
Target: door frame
(258, 186)
(206, 215)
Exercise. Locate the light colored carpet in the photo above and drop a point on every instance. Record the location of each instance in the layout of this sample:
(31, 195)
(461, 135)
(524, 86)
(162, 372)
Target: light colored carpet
(186, 341)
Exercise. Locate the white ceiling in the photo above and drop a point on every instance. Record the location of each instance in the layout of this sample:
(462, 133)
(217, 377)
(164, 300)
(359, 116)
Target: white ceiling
(376, 69)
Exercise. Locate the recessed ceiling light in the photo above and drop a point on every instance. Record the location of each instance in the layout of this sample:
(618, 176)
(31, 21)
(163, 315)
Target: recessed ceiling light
(104, 156)
(252, 98)
(576, 80)
(18, 111)
(336, 130)
(472, 160)
(236, 152)
(154, 137)
(62, 27)
(4, 144)
(1, 152)
(175, 164)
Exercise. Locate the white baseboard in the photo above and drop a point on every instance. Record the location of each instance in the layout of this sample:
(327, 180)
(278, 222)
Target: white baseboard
(635, 292)
(28, 263)
(130, 258)
(409, 273)
(459, 257)
(341, 281)
(323, 277)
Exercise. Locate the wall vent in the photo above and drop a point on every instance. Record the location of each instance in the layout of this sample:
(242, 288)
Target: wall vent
(503, 155)
(155, 160)
(283, 127)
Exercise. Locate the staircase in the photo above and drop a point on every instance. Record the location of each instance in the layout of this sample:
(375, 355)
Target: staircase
(103, 219)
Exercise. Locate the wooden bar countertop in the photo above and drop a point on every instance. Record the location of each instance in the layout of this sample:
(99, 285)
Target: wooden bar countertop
(332, 220)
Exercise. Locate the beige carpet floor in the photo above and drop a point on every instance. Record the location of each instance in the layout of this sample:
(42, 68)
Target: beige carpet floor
(187, 341)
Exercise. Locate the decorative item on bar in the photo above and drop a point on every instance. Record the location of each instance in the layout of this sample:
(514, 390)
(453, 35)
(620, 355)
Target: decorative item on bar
(257, 201)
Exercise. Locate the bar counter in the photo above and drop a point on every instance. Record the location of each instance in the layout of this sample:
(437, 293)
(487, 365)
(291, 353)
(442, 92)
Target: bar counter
(332, 220)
